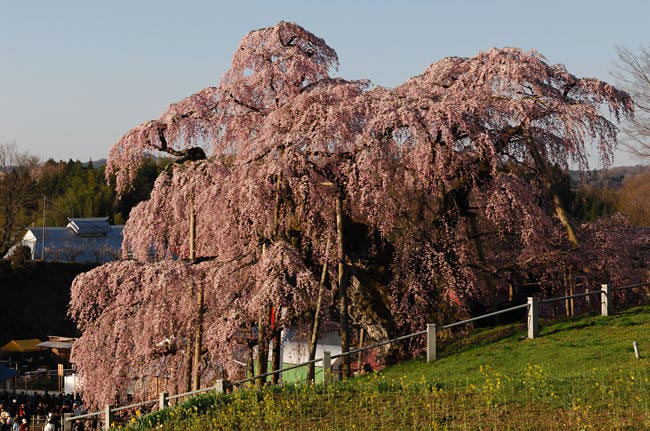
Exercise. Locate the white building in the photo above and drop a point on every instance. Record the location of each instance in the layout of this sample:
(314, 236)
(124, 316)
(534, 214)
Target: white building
(88, 240)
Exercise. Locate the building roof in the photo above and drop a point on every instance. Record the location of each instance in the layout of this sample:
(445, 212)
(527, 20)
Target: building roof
(90, 240)
(56, 344)
(89, 226)
(22, 346)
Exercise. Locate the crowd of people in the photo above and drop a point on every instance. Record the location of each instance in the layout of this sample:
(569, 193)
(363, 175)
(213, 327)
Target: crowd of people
(41, 412)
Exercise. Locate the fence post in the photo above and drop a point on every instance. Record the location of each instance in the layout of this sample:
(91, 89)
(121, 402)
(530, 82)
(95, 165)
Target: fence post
(431, 342)
(327, 368)
(606, 300)
(163, 402)
(635, 345)
(533, 317)
(67, 423)
(108, 417)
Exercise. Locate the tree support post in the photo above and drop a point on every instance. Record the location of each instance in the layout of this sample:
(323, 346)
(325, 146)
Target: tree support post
(431, 342)
(327, 368)
(344, 306)
(533, 317)
(163, 402)
(108, 417)
(67, 423)
(606, 300)
(635, 345)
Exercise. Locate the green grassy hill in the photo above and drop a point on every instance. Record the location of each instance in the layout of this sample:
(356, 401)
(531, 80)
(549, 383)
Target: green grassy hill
(580, 374)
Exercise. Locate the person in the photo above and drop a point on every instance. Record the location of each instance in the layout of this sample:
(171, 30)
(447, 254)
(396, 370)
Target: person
(50, 425)
(23, 425)
(78, 426)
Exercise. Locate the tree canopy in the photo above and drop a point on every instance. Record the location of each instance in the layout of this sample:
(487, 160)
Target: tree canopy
(439, 193)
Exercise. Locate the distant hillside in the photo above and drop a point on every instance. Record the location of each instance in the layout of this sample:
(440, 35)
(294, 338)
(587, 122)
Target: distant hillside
(612, 178)
(96, 163)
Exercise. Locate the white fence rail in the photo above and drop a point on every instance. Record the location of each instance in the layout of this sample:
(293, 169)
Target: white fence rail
(533, 305)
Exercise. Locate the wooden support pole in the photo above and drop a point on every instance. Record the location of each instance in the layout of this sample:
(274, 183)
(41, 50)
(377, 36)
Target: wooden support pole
(313, 340)
(192, 223)
(67, 423)
(198, 330)
(327, 368)
(276, 350)
(198, 340)
(163, 402)
(344, 308)
(108, 417)
(431, 342)
(360, 355)
(533, 317)
(606, 303)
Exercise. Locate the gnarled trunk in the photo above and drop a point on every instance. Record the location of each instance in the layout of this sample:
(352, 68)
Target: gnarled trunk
(262, 360)
(549, 184)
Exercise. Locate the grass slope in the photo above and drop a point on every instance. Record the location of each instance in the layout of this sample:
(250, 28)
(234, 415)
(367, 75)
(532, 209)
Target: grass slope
(580, 374)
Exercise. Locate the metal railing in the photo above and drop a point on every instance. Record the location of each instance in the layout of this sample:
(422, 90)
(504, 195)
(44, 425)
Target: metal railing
(532, 305)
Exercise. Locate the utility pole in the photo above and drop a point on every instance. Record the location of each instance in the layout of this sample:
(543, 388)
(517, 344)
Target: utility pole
(43, 232)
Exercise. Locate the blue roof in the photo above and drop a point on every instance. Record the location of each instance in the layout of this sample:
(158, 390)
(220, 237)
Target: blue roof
(90, 240)
(89, 226)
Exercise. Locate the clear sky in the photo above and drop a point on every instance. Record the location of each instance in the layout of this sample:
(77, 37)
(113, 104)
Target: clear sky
(76, 75)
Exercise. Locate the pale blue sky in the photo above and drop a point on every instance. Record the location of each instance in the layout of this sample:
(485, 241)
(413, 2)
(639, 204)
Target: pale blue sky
(76, 75)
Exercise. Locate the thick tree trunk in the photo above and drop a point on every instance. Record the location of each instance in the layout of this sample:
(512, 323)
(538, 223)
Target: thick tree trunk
(549, 184)
(343, 289)
(473, 232)
(262, 359)
(315, 326)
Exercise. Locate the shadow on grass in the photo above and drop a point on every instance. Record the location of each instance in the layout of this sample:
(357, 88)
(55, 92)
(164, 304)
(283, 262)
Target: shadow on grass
(471, 338)
(631, 316)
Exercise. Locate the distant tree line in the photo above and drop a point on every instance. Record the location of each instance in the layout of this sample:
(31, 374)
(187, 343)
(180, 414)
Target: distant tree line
(76, 189)
(56, 190)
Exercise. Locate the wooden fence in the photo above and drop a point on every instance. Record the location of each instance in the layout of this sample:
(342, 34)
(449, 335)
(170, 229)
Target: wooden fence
(533, 306)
